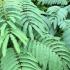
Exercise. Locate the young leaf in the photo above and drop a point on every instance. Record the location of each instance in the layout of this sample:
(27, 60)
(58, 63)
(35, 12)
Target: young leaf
(4, 47)
(15, 43)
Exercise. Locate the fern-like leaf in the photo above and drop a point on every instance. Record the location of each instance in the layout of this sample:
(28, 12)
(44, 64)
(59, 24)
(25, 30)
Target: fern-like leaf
(57, 56)
(10, 16)
(56, 17)
(23, 61)
(51, 2)
(32, 20)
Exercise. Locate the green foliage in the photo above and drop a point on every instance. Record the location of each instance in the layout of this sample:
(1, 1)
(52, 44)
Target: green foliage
(10, 16)
(56, 56)
(32, 20)
(34, 36)
(58, 16)
(51, 2)
(66, 33)
(22, 61)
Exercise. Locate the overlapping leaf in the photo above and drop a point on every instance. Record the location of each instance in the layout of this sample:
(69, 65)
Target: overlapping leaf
(23, 61)
(56, 17)
(57, 56)
(10, 16)
(32, 20)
